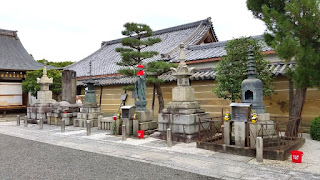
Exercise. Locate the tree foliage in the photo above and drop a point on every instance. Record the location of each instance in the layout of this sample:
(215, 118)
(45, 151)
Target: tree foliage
(30, 83)
(56, 64)
(293, 31)
(231, 70)
(138, 38)
(132, 54)
(157, 68)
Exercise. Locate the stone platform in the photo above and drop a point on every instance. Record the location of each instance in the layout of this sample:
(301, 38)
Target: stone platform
(87, 113)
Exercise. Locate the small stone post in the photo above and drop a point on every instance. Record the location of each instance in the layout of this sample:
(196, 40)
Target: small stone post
(169, 138)
(25, 121)
(124, 133)
(99, 121)
(63, 125)
(18, 120)
(259, 149)
(41, 123)
(135, 123)
(88, 127)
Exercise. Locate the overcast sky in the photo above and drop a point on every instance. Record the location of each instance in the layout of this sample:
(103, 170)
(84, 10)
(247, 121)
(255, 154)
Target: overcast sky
(70, 30)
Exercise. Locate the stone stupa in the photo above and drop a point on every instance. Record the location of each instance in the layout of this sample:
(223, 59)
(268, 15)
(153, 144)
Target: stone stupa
(183, 113)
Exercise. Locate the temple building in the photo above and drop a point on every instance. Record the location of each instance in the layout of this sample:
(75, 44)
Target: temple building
(203, 50)
(15, 61)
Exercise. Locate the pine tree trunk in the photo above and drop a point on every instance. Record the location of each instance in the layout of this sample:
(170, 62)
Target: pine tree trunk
(160, 98)
(153, 96)
(298, 103)
(291, 98)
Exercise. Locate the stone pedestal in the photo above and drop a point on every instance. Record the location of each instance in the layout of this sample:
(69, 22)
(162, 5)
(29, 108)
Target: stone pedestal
(87, 113)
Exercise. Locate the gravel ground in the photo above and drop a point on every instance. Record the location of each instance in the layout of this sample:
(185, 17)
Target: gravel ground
(26, 159)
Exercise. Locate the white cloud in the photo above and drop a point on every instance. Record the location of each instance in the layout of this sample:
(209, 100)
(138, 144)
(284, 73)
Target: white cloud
(64, 30)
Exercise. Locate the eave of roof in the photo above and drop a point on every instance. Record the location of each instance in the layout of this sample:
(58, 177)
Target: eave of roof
(277, 69)
(13, 56)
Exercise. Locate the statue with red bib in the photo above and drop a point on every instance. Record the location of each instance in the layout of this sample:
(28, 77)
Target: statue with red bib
(140, 86)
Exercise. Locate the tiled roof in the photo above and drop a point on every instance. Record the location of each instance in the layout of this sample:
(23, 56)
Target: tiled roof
(13, 56)
(104, 60)
(212, 50)
(203, 74)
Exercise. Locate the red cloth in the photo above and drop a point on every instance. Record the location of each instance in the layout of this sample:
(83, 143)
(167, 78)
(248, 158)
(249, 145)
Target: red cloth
(140, 73)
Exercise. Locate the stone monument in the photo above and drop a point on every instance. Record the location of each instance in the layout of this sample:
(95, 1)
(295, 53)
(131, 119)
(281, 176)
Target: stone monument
(183, 113)
(90, 110)
(44, 102)
(44, 96)
(67, 109)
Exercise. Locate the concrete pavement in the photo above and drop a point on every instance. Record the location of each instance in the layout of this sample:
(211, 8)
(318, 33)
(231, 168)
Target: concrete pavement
(181, 156)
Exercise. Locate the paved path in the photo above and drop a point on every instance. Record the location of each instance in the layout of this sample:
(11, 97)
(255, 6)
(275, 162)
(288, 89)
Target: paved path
(26, 159)
(181, 156)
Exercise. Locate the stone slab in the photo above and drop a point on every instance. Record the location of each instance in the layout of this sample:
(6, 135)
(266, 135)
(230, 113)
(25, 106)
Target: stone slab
(264, 117)
(183, 105)
(183, 94)
(144, 116)
(184, 119)
(240, 133)
(148, 125)
(94, 110)
(164, 118)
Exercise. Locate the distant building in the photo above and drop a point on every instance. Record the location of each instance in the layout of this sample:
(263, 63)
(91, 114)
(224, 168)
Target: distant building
(203, 51)
(15, 61)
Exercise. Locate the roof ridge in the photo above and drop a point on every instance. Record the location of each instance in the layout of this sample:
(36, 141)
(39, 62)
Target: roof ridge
(217, 44)
(167, 30)
(8, 32)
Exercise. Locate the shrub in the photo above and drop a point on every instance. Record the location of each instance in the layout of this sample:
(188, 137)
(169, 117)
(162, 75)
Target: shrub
(315, 129)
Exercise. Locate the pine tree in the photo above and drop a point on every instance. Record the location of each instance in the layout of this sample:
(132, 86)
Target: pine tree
(132, 54)
(138, 38)
(155, 69)
(293, 31)
(231, 70)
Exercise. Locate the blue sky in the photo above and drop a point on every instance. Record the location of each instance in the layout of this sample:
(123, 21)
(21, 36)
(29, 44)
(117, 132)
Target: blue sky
(70, 30)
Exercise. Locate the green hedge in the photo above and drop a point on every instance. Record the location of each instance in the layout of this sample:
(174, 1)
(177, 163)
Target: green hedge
(315, 129)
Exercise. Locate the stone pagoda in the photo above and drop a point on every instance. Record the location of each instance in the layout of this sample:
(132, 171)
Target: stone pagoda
(252, 92)
(44, 102)
(251, 88)
(44, 96)
(183, 113)
(90, 110)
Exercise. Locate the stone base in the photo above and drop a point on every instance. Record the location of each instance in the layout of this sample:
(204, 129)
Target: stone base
(186, 138)
(144, 116)
(182, 123)
(182, 128)
(148, 125)
(183, 105)
(82, 122)
(105, 123)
